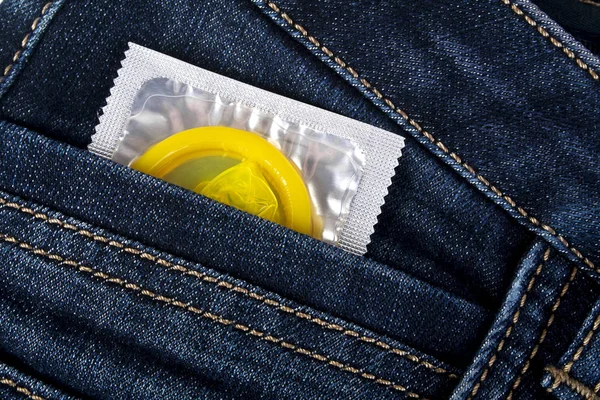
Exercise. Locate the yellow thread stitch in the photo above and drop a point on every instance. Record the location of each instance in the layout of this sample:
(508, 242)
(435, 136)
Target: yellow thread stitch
(586, 341)
(435, 141)
(510, 329)
(206, 315)
(226, 285)
(557, 43)
(542, 337)
(16, 56)
(593, 3)
(561, 377)
(20, 389)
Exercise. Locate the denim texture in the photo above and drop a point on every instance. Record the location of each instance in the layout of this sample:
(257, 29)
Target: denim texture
(278, 64)
(578, 374)
(117, 285)
(462, 81)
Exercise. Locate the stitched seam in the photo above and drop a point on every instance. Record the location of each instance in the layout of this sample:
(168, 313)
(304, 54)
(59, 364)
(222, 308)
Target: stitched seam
(555, 42)
(20, 389)
(542, 337)
(429, 136)
(24, 42)
(515, 319)
(172, 301)
(227, 286)
(590, 2)
(561, 377)
(586, 341)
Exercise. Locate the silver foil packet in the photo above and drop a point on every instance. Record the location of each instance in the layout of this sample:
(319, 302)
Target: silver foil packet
(345, 165)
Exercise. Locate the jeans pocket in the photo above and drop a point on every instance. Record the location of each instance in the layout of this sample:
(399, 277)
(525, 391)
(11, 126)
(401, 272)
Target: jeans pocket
(124, 305)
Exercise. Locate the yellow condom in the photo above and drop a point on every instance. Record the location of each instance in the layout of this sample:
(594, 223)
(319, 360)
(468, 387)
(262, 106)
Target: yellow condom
(235, 167)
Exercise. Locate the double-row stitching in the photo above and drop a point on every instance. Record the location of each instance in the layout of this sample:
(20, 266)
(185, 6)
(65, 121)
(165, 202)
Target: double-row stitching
(430, 137)
(509, 331)
(25, 40)
(20, 389)
(586, 341)
(542, 337)
(562, 377)
(228, 286)
(555, 42)
(174, 302)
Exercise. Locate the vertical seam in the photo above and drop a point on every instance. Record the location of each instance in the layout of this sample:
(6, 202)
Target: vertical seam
(388, 103)
(19, 388)
(542, 337)
(510, 329)
(25, 40)
(228, 286)
(586, 341)
(555, 42)
(561, 377)
(212, 317)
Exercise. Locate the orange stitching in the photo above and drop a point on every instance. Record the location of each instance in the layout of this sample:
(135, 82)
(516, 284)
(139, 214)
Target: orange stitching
(431, 138)
(24, 41)
(555, 42)
(133, 287)
(228, 286)
(509, 331)
(590, 2)
(586, 341)
(542, 337)
(20, 389)
(561, 377)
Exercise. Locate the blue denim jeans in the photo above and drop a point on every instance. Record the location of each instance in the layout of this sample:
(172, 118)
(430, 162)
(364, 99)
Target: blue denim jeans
(481, 281)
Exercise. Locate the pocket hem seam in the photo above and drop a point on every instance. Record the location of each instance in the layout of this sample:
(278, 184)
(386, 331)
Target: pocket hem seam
(228, 286)
(215, 318)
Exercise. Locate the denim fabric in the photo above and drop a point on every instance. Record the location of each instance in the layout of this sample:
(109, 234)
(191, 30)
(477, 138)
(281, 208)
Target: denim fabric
(529, 122)
(15, 383)
(69, 298)
(578, 373)
(265, 57)
(579, 17)
(116, 285)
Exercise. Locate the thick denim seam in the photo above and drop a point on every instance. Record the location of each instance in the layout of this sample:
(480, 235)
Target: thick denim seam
(586, 340)
(212, 317)
(19, 388)
(560, 377)
(180, 269)
(555, 42)
(565, 288)
(25, 42)
(515, 318)
(438, 145)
